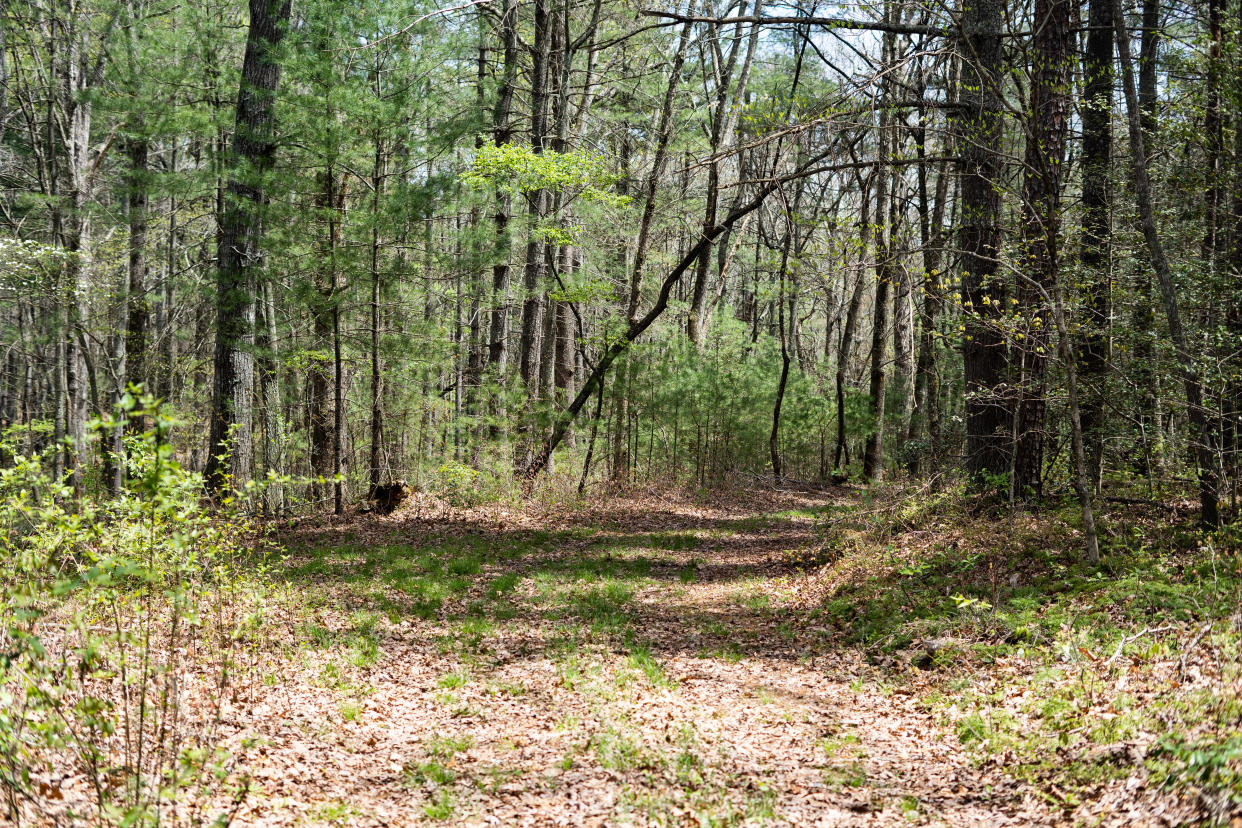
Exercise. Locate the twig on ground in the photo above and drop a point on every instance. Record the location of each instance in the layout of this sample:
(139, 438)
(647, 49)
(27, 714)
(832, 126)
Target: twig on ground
(1130, 639)
(1138, 501)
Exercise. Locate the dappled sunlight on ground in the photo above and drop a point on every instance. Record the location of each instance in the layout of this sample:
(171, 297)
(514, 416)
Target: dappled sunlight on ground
(639, 663)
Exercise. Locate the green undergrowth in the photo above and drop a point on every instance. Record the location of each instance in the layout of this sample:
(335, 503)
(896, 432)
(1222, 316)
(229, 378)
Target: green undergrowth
(1018, 581)
(126, 617)
(1070, 676)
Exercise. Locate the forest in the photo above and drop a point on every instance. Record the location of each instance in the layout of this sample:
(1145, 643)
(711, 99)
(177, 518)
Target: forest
(602, 412)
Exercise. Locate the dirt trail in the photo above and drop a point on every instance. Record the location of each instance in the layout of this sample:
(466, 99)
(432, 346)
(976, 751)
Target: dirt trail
(641, 664)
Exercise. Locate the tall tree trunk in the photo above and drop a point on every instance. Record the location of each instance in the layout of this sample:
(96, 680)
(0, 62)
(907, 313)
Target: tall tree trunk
(502, 132)
(164, 311)
(619, 458)
(78, 111)
(1232, 445)
(269, 391)
(1213, 135)
(139, 311)
(321, 372)
(659, 159)
(783, 326)
(319, 383)
(231, 456)
(885, 212)
(984, 356)
(113, 455)
(925, 416)
(1144, 319)
(1096, 256)
(873, 451)
(565, 337)
(664, 130)
(903, 348)
(1047, 128)
(375, 466)
(924, 424)
(338, 412)
(724, 117)
(1082, 485)
(1203, 438)
(848, 331)
(537, 207)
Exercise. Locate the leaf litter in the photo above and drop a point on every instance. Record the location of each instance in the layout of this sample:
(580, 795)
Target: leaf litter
(647, 659)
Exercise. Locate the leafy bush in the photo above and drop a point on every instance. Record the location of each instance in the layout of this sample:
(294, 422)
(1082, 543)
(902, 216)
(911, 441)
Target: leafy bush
(124, 624)
(457, 484)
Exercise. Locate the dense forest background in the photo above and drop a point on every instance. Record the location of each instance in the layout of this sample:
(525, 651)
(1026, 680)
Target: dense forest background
(350, 243)
(814, 413)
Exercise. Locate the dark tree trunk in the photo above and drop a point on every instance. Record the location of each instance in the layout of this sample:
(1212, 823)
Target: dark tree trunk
(502, 132)
(1041, 219)
(534, 272)
(784, 323)
(537, 204)
(925, 416)
(231, 455)
(139, 311)
(848, 331)
(881, 237)
(319, 381)
(1144, 319)
(1204, 439)
(873, 450)
(375, 466)
(269, 390)
(1097, 113)
(322, 373)
(338, 413)
(1233, 405)
(1213, 135)
(984, 356)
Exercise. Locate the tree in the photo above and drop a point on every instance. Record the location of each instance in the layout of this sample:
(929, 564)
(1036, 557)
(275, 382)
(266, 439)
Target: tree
(985, 357)
(1096, 107)
(239, 252)
(1047, 128)
(1203, 438)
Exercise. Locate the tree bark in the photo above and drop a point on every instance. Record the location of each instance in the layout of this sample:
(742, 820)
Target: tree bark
(783, 326)
(231, 457)
(139, 310)
(724, 117)
(873, 450)
(881, 236)
(537, 206)
(848, 332)
(985, 358)
(1144, 317)
(266, 350)
(502, 132)
(1096, 254)
(1047, 128)
(1203, 438)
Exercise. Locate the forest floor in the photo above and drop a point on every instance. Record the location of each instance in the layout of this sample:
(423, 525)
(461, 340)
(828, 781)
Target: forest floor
(784, 658)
